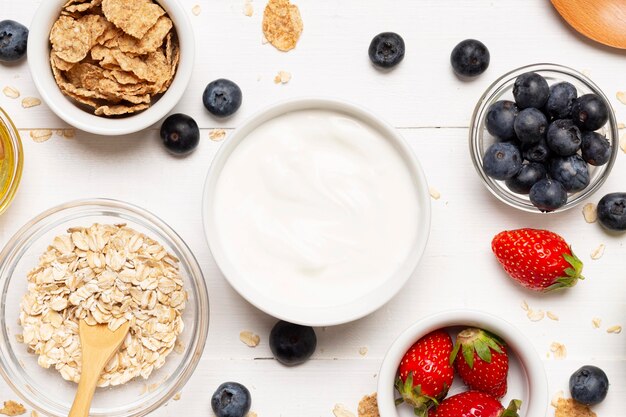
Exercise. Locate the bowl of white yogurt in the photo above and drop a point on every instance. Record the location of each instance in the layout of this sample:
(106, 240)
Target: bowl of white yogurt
(316, 211)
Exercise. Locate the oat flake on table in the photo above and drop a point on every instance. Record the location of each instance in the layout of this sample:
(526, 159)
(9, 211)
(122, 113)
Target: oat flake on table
(248, 8)
(617, 329)
(104, 274)
(590, 213)
(11, 92)
(40, 135)
(596, 322)
(28, 102)
(340, 410)
(250, 339)
(283, 77)
(217, 134)
(598, 252)
(196, 10)
(621, 96)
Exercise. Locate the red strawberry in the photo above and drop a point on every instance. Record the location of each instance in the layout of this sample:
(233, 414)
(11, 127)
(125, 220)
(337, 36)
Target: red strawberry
(425, 372)
(474, 404)
(483, 364)
(538, 259)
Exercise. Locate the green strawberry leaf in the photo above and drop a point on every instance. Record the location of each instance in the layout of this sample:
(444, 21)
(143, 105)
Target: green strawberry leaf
(455, 352)
(468, 354)
(482, 350)
(512, 409)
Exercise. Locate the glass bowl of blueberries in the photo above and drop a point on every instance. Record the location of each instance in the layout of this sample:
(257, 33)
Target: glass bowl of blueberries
(543, 138)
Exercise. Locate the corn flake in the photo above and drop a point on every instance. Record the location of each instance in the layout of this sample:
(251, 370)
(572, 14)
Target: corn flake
(135, 17)
(282, 24)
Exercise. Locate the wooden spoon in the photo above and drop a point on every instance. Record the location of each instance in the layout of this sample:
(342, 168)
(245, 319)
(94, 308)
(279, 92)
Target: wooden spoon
(601, 20)
(98, 345)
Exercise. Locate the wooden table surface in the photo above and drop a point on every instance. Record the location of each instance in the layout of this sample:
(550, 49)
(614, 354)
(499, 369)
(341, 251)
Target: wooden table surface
(425, 101)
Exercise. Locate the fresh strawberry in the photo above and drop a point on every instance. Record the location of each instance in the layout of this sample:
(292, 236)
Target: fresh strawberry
(474, 404)
(484, 363)
(538, 259)
(425, 372)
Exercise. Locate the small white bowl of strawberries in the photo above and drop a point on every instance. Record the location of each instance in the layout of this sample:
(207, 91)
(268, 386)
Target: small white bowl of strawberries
(462, 363)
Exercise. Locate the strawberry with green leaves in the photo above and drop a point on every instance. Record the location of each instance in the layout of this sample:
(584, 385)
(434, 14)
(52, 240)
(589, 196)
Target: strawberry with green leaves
(483, 363)
(474, 404)
(538, 259)
(425, 372)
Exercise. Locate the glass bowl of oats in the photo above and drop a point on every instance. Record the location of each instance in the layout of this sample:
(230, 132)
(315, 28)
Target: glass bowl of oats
(104, 261)
(111, 67)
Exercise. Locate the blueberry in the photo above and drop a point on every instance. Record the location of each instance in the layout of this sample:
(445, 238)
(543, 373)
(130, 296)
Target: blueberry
(527, 177)
(292, 344)
(612, 212)
(590, 112)
(571, 171)
(470, 58)
(180, 134)
(564, 137)
(530, 126)
(222, 97)
(596, 149)
(531, 90)
(502, 161)
(548, 195)
(386, 50)
(13, 40)
(560, 100)
(538, 152)
(500, 119)
(589, 385)
(231, 399)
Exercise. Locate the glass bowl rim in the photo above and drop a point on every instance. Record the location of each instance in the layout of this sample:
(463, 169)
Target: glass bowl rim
(16, 175)
(45, 221)
(489, 97)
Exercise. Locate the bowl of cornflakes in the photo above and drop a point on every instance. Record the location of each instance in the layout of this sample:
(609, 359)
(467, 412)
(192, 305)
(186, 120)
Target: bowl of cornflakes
(111, 67)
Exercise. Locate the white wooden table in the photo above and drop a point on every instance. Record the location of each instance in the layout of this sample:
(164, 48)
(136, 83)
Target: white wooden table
(431, 108)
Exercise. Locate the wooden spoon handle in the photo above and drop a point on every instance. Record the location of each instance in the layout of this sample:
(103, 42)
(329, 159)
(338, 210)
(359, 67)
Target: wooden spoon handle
(90, 373)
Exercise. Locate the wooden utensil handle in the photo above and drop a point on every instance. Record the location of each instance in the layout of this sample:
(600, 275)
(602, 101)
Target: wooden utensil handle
(90, 373)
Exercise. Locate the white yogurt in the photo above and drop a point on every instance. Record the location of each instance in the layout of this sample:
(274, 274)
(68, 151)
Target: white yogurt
(315, 207)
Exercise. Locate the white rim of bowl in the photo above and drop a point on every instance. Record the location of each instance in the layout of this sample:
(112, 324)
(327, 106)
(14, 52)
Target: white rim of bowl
(528, 356)
(326, 316)
(50, 218)
(39, 63)
(480, 111)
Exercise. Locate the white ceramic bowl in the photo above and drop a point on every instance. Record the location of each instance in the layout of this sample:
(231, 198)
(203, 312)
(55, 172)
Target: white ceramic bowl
(39, 63)
(527, 378)
(351, 308)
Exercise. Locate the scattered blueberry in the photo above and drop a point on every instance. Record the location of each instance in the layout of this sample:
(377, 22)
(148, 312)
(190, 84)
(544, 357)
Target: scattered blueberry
(13, 40)
(596, 149)
(548, 195)
(386, 49)
(231, 399)
(612, 212)
(222, 97)
(470, 58)
(502, 161)
(531, 90)
(500, 119)
(292, 344)
(528, 176)
(539, 152)
(589, 385)
(560, 100)
(564, 137)
(571, 171)
(530, 126)
(180, 134)
(590, 112)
